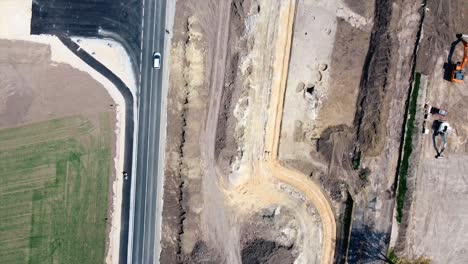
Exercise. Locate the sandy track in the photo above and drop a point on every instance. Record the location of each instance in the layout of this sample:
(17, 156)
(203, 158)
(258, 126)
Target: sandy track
(262, 169)
(291, 177)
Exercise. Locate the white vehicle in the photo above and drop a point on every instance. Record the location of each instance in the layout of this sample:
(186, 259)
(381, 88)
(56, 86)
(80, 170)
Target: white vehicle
(156, 60)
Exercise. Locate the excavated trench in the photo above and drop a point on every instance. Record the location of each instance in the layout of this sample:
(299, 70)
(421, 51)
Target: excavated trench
(372, 111)
(368, 136)
(368, 243)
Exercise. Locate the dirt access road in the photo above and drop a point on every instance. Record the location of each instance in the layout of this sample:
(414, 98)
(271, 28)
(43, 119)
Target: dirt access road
(437, 225)
(210, 202)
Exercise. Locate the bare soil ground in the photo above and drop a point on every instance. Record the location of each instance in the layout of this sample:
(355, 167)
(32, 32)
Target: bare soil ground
(191, 55)
(438, 228)
(216, 180)
(34, 88)
(340, 130)
(350, 72)
(436, 225)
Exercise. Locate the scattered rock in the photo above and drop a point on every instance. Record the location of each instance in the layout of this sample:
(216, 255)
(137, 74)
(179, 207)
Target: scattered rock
(300, 87)
(323, 67)
(319, 76)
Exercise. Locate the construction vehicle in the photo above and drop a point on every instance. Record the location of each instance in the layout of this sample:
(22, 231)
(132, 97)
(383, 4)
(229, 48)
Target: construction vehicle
(435, 110)
(441, 128)
(458, 73)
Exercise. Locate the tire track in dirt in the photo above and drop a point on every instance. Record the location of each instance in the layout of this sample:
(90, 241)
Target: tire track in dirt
(215, 218)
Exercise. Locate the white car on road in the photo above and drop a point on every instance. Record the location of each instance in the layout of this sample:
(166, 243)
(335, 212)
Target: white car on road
(156, 60)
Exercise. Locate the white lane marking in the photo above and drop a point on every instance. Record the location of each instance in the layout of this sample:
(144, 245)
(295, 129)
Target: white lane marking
(151, 92)
(133, 187)
(141, 38)
(155, 125)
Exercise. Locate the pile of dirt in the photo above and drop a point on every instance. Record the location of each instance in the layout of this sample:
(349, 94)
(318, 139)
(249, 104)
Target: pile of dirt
(373, 103)
(335, 145)
(261, 251)
(271, 236)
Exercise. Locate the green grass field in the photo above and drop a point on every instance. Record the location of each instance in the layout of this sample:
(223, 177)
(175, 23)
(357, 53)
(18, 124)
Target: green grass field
(54, 186)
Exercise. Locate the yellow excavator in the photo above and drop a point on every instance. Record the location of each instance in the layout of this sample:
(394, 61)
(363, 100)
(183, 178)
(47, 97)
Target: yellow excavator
(458, 73)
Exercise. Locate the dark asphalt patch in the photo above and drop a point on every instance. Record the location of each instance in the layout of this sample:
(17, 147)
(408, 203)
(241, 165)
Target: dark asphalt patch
(121, 18)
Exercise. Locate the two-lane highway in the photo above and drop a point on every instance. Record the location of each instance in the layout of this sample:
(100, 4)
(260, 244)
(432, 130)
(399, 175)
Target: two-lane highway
(145, 214)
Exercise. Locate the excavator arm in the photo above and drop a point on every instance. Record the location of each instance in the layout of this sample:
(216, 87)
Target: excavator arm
(458, 73)
(465, 53)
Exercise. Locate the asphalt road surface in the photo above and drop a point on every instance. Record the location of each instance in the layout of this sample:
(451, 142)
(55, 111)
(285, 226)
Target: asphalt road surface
(144, 246)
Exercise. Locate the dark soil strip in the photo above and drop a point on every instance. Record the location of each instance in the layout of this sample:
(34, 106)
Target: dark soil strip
(129, 123)
(370, 116)
(180, 191)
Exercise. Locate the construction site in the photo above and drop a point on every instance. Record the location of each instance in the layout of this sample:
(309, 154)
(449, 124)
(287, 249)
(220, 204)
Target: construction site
(234, 131)
(311, 131)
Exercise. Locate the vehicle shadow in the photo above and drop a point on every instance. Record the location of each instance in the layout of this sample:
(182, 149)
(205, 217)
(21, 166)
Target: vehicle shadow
(448, 69)
(434, 144)
(450, 65)
(435, 132)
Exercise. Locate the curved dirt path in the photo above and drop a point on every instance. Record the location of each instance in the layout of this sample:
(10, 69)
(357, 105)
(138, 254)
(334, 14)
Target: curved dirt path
(286, 175)
(222, 231)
